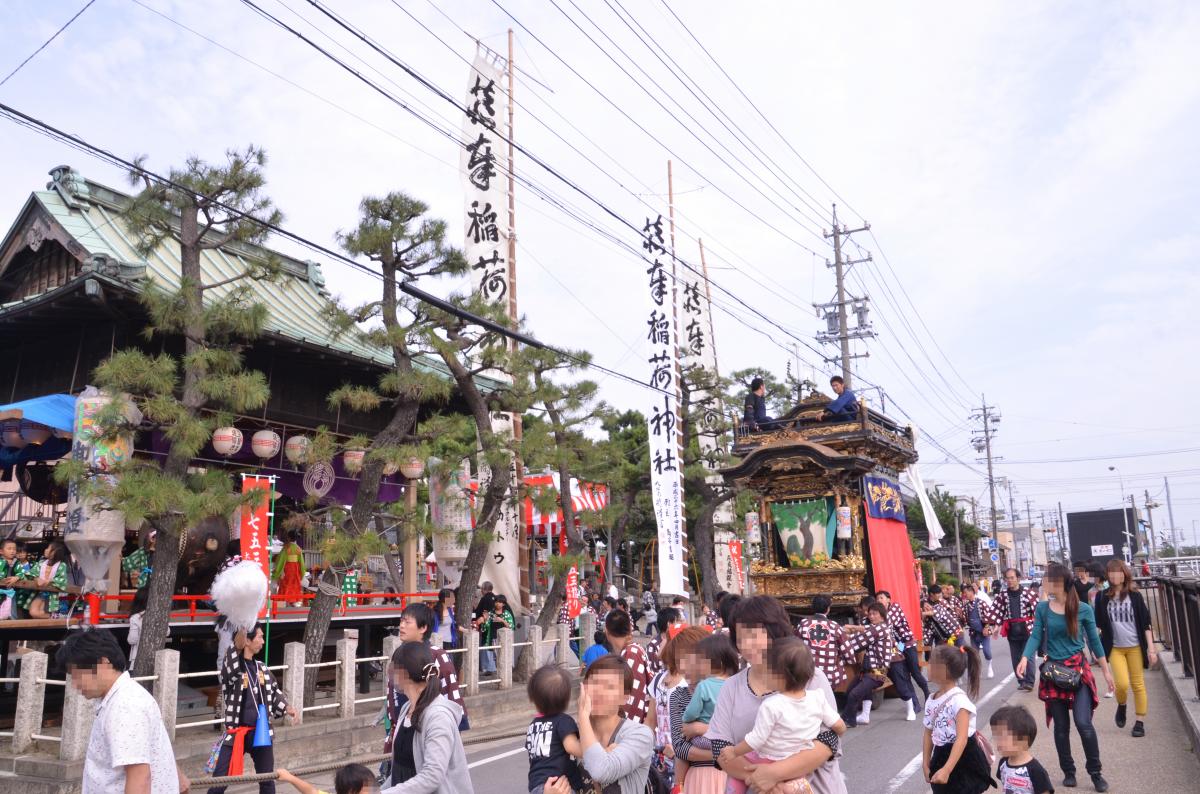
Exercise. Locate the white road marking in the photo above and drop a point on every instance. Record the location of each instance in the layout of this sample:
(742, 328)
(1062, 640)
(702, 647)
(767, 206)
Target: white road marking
(914, 766)
(490, 759)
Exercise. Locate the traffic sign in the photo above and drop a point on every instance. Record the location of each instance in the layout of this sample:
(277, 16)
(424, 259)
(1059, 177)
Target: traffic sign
(992, 544)
(995, 557)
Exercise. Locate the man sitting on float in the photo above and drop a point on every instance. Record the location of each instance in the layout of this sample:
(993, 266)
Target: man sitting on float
(754, 415)
(845, 407)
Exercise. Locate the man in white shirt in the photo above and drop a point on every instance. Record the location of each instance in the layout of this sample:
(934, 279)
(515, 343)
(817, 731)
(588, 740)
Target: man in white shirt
(128, 750)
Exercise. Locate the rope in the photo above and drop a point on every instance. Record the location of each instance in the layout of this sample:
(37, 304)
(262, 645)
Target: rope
(204, 782)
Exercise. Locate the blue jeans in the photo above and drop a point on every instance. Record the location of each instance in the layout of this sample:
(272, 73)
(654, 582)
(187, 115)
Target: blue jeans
(487, 661)
(1081, 711)
(983, 642)
(914, 669)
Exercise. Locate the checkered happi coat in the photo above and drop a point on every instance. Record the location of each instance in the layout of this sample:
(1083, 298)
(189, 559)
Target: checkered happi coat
(877, 645)
(637, 705)
(900, 628)
(233, 689)
(829, 644)
(998, 611)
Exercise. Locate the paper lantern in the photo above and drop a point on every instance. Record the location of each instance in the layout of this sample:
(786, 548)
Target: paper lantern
(412, 468)
(227, 441)
(11, 432)
(352, 460)
(33, 433)
(296, 448)
(265, 444)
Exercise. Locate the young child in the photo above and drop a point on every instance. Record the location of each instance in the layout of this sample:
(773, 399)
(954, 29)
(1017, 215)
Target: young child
(954, 761)
(350, 779)
(552, 739)
(1013, 732)
(788, 721)
(714, 660)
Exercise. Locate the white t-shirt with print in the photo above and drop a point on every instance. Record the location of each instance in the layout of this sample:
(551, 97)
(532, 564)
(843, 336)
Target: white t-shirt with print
(941, 715)
(128, 730)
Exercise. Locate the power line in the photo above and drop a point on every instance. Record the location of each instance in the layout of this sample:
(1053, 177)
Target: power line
(46, 43)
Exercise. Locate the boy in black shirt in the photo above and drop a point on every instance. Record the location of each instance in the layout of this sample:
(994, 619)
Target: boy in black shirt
(1013, 732)
(552, 740)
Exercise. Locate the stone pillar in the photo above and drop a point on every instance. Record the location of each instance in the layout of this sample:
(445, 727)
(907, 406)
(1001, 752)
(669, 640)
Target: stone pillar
(535, 644)
(587, 630)
(77, 718)
(293, 680)
(504, 658)
(564, 644)
(470, 668)
(166, 687)
(31, 699)
(344, 688)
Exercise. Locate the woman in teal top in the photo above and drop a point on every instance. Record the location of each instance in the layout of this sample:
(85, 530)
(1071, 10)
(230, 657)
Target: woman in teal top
(1062, 626)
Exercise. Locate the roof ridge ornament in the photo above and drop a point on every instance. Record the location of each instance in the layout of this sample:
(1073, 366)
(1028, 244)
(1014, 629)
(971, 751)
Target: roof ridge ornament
(69, 184)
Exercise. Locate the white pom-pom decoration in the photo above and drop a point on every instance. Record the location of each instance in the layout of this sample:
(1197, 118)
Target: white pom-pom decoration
(240, 593)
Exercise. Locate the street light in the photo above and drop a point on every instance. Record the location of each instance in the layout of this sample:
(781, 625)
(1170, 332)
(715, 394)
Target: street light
(1124, 515)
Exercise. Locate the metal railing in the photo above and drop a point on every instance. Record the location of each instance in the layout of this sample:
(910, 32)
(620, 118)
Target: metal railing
(77, 712)
(1181, 614)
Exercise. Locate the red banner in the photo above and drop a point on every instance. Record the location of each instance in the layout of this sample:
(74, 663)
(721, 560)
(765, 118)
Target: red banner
(735, 555)
(256, 523)
(574, 605)
(892, 566)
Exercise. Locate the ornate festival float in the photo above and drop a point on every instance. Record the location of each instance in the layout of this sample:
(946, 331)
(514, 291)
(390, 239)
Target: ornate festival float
(831, 511)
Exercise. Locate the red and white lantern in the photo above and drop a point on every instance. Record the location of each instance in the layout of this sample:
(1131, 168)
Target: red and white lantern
(265, 444)
(227, 441)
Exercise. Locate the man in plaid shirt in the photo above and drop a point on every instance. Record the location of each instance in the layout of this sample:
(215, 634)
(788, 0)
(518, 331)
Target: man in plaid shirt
(941, 624)
(416, 624)
(880, 658)
(1012, 611)
(827, 641)
(905, 640)
(619, 630)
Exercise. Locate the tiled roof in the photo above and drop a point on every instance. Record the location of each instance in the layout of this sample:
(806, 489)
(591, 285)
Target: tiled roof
(90, 213)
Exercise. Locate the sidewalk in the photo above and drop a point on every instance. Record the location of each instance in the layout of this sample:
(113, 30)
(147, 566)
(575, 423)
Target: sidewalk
(1162, 761)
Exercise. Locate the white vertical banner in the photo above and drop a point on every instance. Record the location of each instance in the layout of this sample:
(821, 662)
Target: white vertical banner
(484, 165)
(699, 350)
(666, 470)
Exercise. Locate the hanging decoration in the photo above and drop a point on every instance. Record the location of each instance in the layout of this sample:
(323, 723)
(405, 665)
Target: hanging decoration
(296, 449)
(352, 460)
(319, 479)
(227, 441)
(265, 444)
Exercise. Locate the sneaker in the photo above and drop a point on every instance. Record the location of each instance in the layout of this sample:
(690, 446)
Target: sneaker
(1139, 730)
(990, 674)
(1099, 783)
(1069, 781)
(1120, 715)
(1109, 694)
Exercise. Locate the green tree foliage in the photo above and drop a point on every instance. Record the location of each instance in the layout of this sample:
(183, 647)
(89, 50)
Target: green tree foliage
(186, 391)
(394, 232)
(946, 507)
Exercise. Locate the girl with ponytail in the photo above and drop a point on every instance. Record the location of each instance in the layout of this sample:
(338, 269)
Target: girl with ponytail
(427, 751)
(953, 760)
(1062, 625)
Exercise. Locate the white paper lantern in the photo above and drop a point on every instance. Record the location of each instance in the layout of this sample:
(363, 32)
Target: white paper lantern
(265, 444)
(352, 460)
(227, 441)
(11, 432)
(33, 433)
(412, 468)
(296, 448)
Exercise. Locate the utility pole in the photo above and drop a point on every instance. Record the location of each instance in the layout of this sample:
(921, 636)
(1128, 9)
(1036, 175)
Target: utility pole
(981, 440)
(1029, 522)
(1175, 537)
(1150, 521)
(1064, 537)
(957, 544)
(837, 327)
(1012, 509)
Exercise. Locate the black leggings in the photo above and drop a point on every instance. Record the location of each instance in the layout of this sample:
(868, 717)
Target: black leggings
(1061, 713)
(264, 761)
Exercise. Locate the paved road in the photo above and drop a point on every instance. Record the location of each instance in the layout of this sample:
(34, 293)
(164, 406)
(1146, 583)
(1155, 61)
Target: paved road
(884, 757)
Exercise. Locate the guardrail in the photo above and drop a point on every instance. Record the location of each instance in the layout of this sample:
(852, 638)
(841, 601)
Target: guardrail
(77, 714)
(193, 607)
(1181, 612)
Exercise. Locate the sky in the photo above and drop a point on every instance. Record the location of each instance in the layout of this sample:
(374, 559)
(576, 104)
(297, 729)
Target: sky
(1027, 171)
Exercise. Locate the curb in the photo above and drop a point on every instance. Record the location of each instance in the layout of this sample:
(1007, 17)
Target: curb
(1182, 690)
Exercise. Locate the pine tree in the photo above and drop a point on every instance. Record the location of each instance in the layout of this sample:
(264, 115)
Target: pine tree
(184, 396)
(558, 442)
(395, 232)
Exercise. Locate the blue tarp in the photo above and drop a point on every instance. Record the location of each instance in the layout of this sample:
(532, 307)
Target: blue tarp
(53, 410)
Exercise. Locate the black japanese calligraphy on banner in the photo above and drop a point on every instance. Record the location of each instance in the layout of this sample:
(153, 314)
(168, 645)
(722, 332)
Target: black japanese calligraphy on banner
(666, 469)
